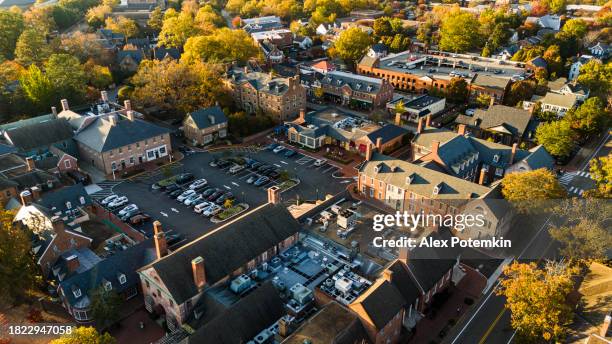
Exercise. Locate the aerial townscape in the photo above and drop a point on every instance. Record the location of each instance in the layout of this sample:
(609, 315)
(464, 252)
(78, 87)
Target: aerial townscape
(305, 171)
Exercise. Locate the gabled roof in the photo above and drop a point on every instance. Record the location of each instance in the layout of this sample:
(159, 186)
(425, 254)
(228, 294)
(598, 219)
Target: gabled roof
(562, 100)
(368, 61)
(492, 82)
(514, 119)
(379, 48)
(387, 133)
(40, 134)
(381, 302)
(324, 65)
(35, 178)
(207, 117)
(243, 320)
(356, 82)
(539, 158)
(225, 249)
(136, 55)
(102, 135)
(538, 62)
(57, 200)
(404, 282)
(162, 53)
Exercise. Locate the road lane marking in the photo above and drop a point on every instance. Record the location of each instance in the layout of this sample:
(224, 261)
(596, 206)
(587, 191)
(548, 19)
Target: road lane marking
(488, 332)
(277, 165)
(174, 210)
(163, 214)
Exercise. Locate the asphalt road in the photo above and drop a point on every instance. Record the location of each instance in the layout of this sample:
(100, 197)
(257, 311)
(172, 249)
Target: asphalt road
(576, 182)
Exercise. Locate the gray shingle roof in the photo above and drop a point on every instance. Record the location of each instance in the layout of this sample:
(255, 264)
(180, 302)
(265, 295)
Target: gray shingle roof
(387, 133)
(226, 249)
(356, 82)
(539, 158)
(102, 136)
(513, 119)
(202, 117)
(383, 303)
(56, 200)
(491, 82)
(40, 134)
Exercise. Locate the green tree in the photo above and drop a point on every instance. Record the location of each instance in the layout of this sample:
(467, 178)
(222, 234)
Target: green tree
(597, 77)
(589, 118)
(156, 19)
(85, 335)
(519, 91)
(483, 100)
(352, 45)
(575, 27)
(459, 32)
(32, 48)
(553, 58)
(37, 87)
(11, 27)
(424, 32)
(557, 6)
(207, 19)
(537, 300)
(585, 240)
(527, 190)
(223, 45)
(557, 137)
(67, 75)
(382, 27)
(177, 29)
(105, 306)
(601, 173)
(457, 91)
(19, 271)
(121, 24)
(98, 76)
(96, 15)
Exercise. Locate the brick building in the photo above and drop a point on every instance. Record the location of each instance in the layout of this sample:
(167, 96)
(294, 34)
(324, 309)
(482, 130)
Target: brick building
(355, 90)
(281, 98)
(205, 125)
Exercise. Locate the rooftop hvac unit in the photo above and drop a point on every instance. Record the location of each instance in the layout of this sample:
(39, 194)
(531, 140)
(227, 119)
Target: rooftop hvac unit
(240, 284)
(344, 285)
(263, 337)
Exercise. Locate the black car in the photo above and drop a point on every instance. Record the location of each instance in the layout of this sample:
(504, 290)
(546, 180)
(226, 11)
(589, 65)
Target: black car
(78, 177)
(175, 193)
(256, 165)
(184, 178)
(224, 197)
(273, 174)
(223, 163)
(209, 192)
(264, 167)
(170, 188)
(214, 196)
(268, 172)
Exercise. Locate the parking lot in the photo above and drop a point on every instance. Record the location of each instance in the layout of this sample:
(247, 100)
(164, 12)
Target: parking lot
(315, 181)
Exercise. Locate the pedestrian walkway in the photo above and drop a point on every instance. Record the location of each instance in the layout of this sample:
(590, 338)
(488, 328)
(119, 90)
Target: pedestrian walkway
(106, 189)
(153, 176)
(566, 178)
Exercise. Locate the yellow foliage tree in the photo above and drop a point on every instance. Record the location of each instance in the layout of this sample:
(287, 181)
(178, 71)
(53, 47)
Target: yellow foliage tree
(528, 190)
(85, 335)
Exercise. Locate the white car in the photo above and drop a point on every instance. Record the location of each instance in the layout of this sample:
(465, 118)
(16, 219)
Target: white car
(109, 199)
(236, 168)
(320, 162)
(127, 209)
(201, 206)
(198, 184)
(470, 112)
(212, 210)
(117, 202)
(182, 197)
(278, 149)
(193, 199)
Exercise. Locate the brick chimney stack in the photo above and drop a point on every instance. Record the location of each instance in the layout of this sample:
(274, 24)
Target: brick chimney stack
(104, 96)
(199, 274)
(379, 144)
(161, 246)
(428, 121)
(274, 196)
(483, 176)
(420, 126)
(30, 163)
(303, 115)
(435, 145)
(461, 129)
(368, 154)
(513, 154)
(54, 111)
(398, 119)
(127, 104)
(130, 115)
(26, 197)
(35, 193)
(65, 106)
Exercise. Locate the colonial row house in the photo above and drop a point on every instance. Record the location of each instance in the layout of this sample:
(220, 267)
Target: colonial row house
(205, 125)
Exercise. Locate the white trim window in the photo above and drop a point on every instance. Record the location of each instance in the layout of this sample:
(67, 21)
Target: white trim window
(67, 164)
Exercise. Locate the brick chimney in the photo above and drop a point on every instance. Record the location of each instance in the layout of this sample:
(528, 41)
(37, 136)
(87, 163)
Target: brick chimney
(398, 119)
(483, 176)
(130, 115)
(35, 193)
(605, 326)
(379, 144)
(303, 115)
(127, 104)
(461, 129)
(161, 246)
(30, 163)
(368, 154)
(26, 197)
(420, 126)
(104, 96)
(274, 196)
(58, 225)
(65, 106)
(113, 120)
(72, 263)
(435, 145)
(199, 274)
(404, 254)
(388, 275)
(428, 121)
(54, 111)
(513, 154)
(492, 102)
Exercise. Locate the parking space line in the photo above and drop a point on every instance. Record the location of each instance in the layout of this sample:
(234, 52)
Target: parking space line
(282, 162)
(277, 165)
(329, 169)
(236, 184)
(227, 187)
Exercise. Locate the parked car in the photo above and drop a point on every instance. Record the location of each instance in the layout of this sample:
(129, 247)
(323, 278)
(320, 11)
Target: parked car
(201, 206)
(174, 194)
(268, 172)
(224, 197)
(209, 192)
(78, 177)
(185, 194)
(263, 168)
(212, 210)
(256, 165)
(261, 181)
(215, 195)
(271, 146)
(198, 184)
(213, 163)
(223, 163)
(140, 219)
(289, 153)
(109, 199)
(192, 200)
(249, 161)
(171, 188)
(127, 209)
(278, 149)
(129, 214)
(236, 168)
(470, 112)
(252, 179)
(273, 174)
(184, 178)
(320, 162)
(173, 238)
(117, 202)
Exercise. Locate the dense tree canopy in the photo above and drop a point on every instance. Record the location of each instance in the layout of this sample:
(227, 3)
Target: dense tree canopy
(528, 190)
(597, 77)
(223, 45)
(85, 335)
(352, 45)
(557, 137)
(459, 32)
(32, 48)
(11, 27)
(601, 173)
(589, 118)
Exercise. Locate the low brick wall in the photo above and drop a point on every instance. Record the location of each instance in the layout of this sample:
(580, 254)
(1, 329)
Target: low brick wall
(128, 230)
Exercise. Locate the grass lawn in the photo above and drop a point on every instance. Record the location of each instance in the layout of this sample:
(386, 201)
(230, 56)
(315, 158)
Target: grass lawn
(229, 212)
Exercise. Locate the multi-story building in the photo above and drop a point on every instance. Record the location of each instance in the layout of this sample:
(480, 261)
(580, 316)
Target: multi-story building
(205, 125)
(420, 73)
(355, 90)
(504, 124)
(417, 108)
(553, 102)
(281, 98)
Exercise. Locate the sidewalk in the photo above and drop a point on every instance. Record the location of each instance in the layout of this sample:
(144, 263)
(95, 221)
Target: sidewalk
(129, 330)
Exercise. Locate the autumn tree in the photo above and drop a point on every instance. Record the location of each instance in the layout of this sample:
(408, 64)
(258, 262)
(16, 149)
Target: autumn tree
(457, 90)
(575, 27)
(123, 25)
(601, 173)
(519, 91)
(40, 18)
(585, 240)
(553, 58)
(96, 16)
(85, 47)
(557, 137)
(11, 27)
(597, 77)
(459, 32)
(588, 118)
(352, 45)
(223, 45)
(156, 19)
(528, 191)
(537, 300)
(32, 48)
(177, 29)
(19, 271)
(85, 335)
(424, 32)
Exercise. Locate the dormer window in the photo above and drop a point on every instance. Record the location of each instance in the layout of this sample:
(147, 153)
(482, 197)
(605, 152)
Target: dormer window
(496, 158)
(408, 179)
(378, 168)
(437, 189)
(68, 205)
(77, 292)
(122, 279)
(108, 286)
(82, 200)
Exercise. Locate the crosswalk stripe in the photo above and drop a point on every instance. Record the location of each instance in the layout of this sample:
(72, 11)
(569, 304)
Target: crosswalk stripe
(581, 191)
(571, 189)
